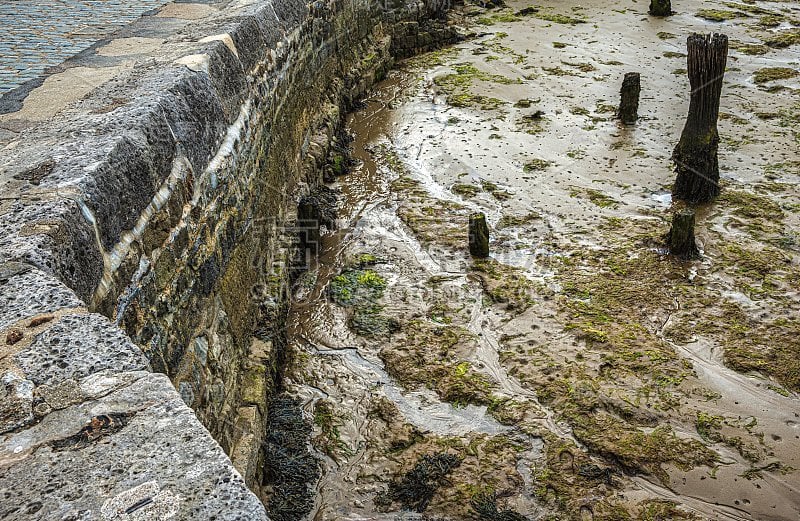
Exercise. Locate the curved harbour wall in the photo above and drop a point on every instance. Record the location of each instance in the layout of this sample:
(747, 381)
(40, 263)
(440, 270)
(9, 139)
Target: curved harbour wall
(148, 234)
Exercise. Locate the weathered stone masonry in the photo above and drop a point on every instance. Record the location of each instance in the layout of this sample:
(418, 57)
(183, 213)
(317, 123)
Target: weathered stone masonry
(155, 192)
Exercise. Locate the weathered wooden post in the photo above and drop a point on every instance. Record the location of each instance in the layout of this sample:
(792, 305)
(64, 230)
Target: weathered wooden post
(680, 239)
(478, 236)
(695, 155)
(629, 98)
(660, 7)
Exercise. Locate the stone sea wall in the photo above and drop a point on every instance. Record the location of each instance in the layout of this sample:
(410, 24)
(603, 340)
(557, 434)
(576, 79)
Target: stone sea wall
(148, 235)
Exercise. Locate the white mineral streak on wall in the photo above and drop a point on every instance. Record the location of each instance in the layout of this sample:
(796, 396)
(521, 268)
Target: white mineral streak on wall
(224, 152)
(113, 259)
(209, 178)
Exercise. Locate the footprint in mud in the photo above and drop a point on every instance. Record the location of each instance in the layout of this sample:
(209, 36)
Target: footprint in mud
(567, 460)
(550, 495)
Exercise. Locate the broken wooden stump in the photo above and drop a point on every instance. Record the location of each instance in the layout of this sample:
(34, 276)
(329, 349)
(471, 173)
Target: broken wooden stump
(478, 236)
(680, 239)
(629, 98)
(695, 155)
(660, 7)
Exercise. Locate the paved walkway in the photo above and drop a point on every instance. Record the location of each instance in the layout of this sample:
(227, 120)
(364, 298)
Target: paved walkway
(42, 33)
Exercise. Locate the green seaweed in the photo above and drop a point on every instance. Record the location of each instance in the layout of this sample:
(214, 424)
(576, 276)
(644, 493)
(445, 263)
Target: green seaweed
(718, 15)
(595, 196)
(783, 39)
(768, 74)
(560, 18)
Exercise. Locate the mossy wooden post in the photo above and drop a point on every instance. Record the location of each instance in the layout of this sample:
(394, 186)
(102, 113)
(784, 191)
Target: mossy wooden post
(680, 239)
(478, 236)
(695, 155)
(629, 98)
(660, 7)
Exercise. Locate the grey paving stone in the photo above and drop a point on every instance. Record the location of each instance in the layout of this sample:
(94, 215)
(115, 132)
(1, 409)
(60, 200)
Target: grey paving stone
(41, 33)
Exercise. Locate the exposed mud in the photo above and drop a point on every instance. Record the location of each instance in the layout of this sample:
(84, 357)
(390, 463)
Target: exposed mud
(579, 373)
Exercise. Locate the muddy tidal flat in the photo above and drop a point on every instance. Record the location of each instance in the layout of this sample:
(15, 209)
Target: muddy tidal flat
(579, 372)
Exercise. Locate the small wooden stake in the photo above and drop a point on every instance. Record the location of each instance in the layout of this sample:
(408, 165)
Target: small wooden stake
(680, 239)
(478, 236)
(660, 7)
(629, 98)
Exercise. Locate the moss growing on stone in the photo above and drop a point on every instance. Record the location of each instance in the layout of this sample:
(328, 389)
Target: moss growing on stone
(442, 222)
(569, 476)
(433, 58)
(775, 355)
(366, 259)
(770, 21)
(558, 71)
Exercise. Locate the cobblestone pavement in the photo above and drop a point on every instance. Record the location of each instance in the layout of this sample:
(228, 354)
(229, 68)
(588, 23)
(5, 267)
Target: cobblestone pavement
(41, 33)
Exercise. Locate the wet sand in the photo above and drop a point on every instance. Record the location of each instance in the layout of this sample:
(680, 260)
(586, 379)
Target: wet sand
(579, 345)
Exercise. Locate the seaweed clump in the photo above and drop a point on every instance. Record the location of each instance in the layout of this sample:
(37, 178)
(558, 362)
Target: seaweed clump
(768, 74)
(485, 505)
(504, 284)
(416, 488)
(456, 86)
(361, 289)
(433, 355)
(291, 470)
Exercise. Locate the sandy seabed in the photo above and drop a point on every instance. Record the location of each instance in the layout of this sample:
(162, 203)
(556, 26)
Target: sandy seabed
(580, 372)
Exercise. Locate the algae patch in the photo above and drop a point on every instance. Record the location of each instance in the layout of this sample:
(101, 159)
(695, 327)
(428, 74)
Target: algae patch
(360, 290)
(768, 74)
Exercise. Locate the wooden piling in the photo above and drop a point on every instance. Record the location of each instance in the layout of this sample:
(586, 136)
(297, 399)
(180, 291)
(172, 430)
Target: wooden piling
(629, 98)
(478, 236)
(680, 239)
(695, 155)
(660, 7)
